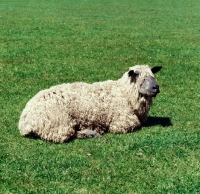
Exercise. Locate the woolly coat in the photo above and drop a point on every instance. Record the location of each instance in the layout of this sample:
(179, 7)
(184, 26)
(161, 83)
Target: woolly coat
(61, 112)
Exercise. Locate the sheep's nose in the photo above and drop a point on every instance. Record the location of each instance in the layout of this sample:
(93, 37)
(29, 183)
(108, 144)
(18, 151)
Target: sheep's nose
(156, 87)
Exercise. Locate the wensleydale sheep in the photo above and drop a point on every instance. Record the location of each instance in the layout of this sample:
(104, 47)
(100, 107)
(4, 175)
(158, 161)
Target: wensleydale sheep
(88, 110)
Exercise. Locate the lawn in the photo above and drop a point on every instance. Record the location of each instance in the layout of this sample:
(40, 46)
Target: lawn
(45, 43)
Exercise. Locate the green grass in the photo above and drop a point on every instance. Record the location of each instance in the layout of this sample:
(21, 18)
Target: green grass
(44, 43)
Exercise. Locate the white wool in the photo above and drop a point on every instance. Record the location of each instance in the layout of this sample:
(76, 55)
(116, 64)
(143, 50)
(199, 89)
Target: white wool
(61, 112)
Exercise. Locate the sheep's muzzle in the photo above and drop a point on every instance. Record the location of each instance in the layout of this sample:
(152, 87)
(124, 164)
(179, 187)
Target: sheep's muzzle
(149, 87)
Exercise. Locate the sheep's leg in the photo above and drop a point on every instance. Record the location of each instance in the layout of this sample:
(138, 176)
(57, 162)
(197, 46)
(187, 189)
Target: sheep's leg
(87, 133)
(47, 127)
(57, 134)
(124, 124)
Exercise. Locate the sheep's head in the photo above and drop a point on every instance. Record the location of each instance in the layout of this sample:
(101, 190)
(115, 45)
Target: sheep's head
(143, 77)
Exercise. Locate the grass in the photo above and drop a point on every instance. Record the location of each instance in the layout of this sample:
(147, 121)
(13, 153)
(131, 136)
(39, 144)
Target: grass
(44, 43)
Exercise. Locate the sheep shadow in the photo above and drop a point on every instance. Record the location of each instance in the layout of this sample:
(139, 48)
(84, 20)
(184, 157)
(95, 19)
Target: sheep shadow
(163, 121)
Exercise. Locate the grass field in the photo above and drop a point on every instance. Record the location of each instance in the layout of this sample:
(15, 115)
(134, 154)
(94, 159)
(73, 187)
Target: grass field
(44, 43)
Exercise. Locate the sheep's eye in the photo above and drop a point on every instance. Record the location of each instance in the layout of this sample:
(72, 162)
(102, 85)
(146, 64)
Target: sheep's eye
(137, 73)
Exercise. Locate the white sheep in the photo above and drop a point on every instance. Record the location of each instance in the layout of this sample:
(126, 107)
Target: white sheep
(88, 110)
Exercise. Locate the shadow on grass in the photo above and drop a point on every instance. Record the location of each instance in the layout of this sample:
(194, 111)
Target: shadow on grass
(163, 121)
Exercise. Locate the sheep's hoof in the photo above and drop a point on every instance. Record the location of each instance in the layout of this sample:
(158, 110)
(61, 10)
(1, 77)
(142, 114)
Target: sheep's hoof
(88, 133)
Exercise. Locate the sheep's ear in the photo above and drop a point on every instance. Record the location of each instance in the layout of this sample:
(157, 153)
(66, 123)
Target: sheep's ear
(133, 73)
(156, 69)
(130, 73)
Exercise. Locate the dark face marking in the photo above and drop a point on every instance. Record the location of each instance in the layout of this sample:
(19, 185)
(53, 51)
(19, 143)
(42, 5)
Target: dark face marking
(149, 87)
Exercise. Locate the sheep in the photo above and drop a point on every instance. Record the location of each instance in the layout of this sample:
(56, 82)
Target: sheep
(79, 110)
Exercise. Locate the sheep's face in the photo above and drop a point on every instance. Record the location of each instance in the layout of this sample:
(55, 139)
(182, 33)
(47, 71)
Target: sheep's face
(143, 77)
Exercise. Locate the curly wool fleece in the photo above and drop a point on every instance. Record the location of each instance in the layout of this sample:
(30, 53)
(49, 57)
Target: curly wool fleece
(63, 111)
